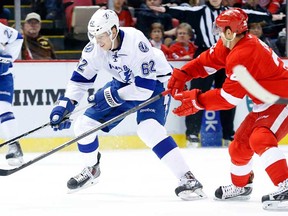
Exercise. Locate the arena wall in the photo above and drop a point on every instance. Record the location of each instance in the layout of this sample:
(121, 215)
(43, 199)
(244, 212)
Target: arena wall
(38, 85)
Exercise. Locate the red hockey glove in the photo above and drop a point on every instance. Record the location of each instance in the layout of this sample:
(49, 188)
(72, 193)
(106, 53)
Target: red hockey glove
(190, 104)
(178, 81)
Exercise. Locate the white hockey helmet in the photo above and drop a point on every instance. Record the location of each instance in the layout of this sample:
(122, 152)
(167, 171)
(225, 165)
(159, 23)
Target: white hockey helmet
(102, 21)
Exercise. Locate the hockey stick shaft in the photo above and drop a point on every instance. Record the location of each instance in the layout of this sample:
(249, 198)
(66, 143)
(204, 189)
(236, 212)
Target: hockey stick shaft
(4, 172)
(36, 129)
(254, 88)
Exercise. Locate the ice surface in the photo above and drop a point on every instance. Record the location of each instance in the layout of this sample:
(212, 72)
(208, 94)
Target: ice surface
(133, 183)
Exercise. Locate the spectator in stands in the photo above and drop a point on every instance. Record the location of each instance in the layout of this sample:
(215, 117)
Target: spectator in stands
(35, 46)
(181, 2)
(183, 47)
(4, 21)
(102, 3)
(232, 3)
(5, 13)
(146, 16)
(134, 3)
(123, 13)
(171, 2)
(48, 9)
(255, 28)
(281, 42)
(273, 6)
(271, 29)
(156, 38)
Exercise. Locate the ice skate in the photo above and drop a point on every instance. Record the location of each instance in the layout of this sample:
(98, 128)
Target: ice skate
(226, 142)
(278, 200)
(14, 155)
(232, 192)
(88, 177)
(192, 141)
(190, 188)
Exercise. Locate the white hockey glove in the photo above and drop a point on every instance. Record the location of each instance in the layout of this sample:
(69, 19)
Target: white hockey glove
(106, 98)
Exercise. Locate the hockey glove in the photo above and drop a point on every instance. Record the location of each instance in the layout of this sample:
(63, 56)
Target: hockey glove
(190, 104)
(59, 117)
(178, 80)
(5, 63)
(106, 98)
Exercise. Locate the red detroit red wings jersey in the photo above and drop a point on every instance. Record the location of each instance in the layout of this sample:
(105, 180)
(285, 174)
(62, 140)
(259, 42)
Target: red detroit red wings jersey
(263, 64)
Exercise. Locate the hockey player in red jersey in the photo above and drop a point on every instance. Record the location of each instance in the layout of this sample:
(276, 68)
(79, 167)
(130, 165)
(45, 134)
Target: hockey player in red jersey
(264, 127)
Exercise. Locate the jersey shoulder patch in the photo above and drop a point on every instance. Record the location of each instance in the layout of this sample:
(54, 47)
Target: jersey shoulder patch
(89, 47)
(143, 47)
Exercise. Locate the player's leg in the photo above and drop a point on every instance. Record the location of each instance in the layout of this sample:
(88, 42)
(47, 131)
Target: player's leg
(271, 127)
(152, 132)
(241, 166)
(89, 146)
(275, 164)
(89, 155)
(8, 123)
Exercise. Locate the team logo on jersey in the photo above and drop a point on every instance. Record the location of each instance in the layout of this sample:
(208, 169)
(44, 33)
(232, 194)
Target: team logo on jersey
(143, 47)
(124, 72)
(89, 47)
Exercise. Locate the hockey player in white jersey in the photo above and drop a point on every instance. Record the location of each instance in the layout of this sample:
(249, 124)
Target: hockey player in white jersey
(10, 46)
(139, 73)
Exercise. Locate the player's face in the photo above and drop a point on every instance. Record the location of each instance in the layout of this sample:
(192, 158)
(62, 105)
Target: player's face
(104, 41)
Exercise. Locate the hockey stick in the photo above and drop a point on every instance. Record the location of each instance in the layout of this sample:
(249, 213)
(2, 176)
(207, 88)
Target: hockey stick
(40, 127)
(6, 172)
(253, 87)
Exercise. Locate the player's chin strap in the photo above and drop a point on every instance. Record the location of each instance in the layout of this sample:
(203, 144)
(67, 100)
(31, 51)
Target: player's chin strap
(228, 41)
(113, 39)
(6, 172)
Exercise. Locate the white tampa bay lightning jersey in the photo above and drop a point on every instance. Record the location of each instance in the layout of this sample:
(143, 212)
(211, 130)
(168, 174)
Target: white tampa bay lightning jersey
(135, 62)
(10, 41)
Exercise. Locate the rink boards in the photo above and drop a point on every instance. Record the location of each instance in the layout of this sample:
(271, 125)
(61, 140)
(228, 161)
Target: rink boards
(37, 87)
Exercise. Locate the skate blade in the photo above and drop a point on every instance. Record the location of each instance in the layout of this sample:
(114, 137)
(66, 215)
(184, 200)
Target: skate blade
(238, 198)
(15, 161)
(275, 205)
(87, 185)
(190, 195)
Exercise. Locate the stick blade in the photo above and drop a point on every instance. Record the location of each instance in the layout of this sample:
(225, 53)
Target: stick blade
(4, 172)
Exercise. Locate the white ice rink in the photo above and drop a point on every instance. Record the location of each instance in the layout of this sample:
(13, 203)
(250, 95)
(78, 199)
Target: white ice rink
(133, 183)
